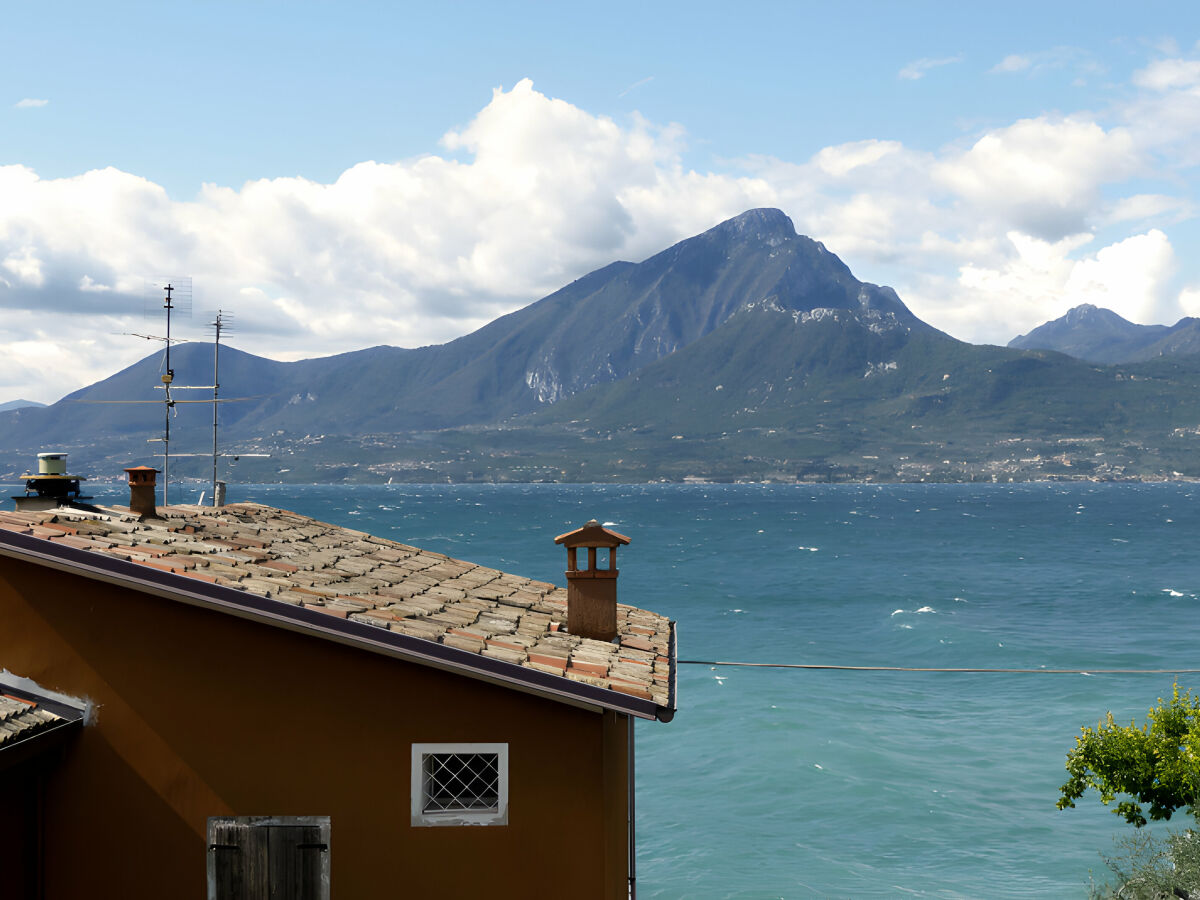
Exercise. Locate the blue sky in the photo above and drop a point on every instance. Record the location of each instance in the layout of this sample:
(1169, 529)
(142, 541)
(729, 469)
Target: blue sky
(341, 176)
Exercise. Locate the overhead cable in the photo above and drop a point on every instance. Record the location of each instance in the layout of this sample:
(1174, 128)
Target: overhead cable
(972, 670)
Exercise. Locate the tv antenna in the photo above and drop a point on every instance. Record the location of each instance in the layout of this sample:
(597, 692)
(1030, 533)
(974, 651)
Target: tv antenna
(150, 337)
(222, 321)
(178, 300)
(170, 303)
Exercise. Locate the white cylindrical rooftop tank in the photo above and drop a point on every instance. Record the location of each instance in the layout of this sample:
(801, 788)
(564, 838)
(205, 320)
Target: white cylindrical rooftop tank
(52, 463)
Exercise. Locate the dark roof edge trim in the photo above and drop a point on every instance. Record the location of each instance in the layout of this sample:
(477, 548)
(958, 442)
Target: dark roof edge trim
(69, 708)
(181, 588)
(40, 743)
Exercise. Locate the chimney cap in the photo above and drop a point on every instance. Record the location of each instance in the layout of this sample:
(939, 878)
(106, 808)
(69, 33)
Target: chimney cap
(593, 534)
(141, 475)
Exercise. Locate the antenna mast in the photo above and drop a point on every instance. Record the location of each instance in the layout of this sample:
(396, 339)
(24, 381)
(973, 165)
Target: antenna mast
(167, 378)
(177, 299)
(217, 324)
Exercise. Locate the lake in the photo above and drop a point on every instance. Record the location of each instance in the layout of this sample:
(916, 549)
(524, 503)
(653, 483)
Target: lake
(777, 782)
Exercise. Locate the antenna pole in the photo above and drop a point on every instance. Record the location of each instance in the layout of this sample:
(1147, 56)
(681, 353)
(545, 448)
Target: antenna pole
(216, 385)
(166, 380)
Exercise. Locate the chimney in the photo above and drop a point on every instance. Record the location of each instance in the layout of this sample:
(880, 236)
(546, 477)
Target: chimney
(51, 486)
(592, 592)
(141, 491)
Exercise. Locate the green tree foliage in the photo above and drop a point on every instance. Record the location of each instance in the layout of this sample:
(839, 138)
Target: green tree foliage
(1156, 764)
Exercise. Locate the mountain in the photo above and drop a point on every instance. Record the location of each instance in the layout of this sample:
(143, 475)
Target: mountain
(850, 384)
(130, 402)
(598, 329)
(1100, 335)
(19, 404)
(746, 352)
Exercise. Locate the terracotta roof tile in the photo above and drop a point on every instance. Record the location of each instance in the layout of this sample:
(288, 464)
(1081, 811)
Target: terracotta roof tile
(20, 719)
(293, 559)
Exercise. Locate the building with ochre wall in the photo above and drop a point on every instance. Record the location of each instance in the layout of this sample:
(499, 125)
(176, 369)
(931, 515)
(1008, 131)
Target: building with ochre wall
(245, 683)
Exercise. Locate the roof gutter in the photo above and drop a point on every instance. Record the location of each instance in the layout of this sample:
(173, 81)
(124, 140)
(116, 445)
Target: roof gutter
(667, 713)
(181, 588)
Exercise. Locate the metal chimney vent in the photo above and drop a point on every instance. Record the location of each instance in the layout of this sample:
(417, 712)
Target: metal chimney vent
(51, 486)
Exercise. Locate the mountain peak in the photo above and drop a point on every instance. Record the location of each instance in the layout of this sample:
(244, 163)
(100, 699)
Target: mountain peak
(764, 222)
(1088, 312)
(1093, 333)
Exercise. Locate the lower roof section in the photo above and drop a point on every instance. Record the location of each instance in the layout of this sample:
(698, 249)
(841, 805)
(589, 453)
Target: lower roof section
(33, 721)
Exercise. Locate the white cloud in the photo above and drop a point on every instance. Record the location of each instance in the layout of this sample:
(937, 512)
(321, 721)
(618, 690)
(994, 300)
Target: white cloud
(636, 85)
(1138, 207)
(1041, 175)
(407, 253)
(918, 67)
(30, 103)
(844, 159)
(1164, 116)
(1129, 277)
(1079, 61)
(1041, 280)
(1189, 301)
(1012, 63)
(984, 239)
(1168, 74)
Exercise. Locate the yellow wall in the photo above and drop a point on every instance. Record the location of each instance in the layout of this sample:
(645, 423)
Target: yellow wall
(201, 713)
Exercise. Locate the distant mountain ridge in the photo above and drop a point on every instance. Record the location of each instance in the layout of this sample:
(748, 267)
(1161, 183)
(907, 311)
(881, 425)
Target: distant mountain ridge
(745, 352)
(19, 404)
(1100, 335)
(598, 329)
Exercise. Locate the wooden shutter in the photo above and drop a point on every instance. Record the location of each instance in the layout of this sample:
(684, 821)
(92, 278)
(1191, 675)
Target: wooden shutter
(268, 858)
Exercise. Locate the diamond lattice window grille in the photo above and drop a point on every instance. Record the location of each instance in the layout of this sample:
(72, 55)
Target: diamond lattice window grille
(455, 782)
(459, 784)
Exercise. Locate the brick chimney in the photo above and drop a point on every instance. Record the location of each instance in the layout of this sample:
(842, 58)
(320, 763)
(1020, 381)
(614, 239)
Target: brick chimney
(592, 592)
(141, 491)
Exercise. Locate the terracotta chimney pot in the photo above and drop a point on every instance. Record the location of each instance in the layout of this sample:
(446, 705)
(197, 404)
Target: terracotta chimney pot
(592, 591)
(141, 491)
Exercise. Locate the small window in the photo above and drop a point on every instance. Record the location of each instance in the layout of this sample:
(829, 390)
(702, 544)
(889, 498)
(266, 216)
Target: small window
(459, 784)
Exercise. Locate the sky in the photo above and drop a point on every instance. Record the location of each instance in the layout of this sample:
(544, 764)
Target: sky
(342, 176)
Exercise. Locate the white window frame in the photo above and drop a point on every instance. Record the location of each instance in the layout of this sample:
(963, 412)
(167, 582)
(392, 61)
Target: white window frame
(496, 816)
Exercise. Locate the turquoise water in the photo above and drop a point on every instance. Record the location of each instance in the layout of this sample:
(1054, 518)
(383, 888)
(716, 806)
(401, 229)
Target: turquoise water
(798, 783)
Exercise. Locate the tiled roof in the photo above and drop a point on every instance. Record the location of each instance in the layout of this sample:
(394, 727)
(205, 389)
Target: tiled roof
(21, 719)
(297, 560)
(33, 721)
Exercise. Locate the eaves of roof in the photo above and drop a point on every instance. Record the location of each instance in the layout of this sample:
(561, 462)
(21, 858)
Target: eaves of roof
(303, 619)
(32, 723)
